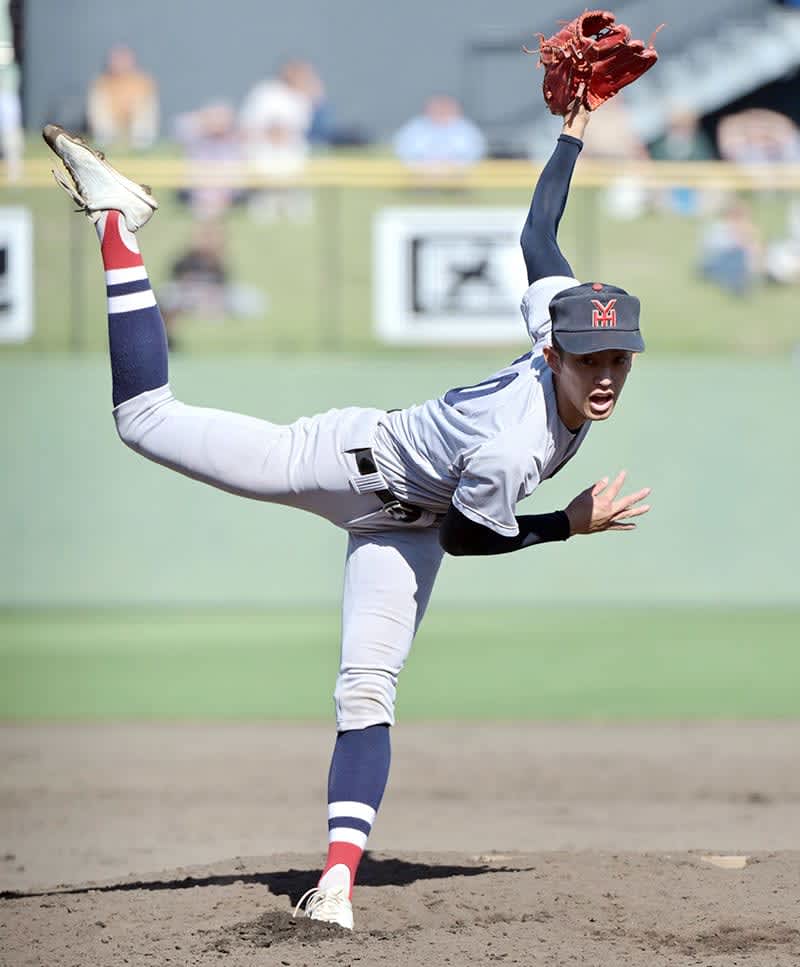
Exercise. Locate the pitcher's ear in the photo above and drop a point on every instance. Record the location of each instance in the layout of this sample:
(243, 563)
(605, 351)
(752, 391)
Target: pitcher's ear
(553, 359)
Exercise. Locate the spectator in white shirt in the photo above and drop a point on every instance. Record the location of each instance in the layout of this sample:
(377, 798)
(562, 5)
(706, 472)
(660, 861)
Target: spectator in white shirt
(275, 121)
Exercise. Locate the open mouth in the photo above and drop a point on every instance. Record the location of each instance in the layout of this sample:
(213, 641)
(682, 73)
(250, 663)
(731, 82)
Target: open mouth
(600, 403)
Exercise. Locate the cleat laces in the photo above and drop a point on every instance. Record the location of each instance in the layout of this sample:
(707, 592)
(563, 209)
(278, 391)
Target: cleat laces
(330, 906)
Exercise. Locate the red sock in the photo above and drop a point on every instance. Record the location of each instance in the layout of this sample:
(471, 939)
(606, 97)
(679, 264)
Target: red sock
(117, 245)
(342, 854)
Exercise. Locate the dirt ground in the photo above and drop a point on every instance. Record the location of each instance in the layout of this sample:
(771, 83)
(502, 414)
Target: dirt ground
(529, 844)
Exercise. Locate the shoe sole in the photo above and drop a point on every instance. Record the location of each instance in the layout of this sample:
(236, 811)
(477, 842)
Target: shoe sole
(52, 132)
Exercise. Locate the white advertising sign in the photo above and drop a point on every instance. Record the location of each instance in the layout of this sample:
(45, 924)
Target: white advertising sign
(16, 274)
(449, 275)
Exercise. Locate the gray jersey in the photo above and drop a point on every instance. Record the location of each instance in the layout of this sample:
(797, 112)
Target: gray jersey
(483, 447)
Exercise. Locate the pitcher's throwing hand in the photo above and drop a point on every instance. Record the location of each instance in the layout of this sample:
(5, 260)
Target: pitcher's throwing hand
(598, 508)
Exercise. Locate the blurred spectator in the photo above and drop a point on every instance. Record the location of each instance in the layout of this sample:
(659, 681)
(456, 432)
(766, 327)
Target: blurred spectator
(209, 136)
(782, 260)
(758, 135)
(684, 140)
(731, 250)
(318, 127)
(612, 136)
(123, 103)
(301, 77)
(11, 139)
(440, 137)
(199, 284)
(276, 119)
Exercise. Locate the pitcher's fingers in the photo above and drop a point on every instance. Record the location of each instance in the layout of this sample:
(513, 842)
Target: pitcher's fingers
(599, 486)
(621, 527)
(632, 512)
(616, 484)
(634, 498)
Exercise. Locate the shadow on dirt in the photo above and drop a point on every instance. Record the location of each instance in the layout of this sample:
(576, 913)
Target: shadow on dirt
(290, 883)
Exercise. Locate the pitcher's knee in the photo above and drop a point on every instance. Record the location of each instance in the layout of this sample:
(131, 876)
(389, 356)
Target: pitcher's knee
(364, 697)
(142, 413)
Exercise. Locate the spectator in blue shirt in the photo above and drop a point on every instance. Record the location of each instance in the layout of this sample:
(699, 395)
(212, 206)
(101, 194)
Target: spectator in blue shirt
(441, 136)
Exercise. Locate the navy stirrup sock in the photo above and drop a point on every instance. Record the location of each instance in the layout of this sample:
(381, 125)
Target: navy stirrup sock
(356, 783)
(136, 335)
(543, 257)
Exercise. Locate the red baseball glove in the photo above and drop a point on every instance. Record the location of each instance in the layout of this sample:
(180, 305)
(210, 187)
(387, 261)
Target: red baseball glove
(589, 60)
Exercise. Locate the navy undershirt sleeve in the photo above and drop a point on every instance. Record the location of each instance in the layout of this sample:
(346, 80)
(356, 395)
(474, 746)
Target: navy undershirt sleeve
(540, 249)
(462, 537)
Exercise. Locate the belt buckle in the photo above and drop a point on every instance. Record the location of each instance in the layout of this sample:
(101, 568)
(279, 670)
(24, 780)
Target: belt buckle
(401, 513)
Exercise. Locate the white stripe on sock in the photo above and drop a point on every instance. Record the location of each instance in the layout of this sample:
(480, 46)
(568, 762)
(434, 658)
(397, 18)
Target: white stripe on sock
(358, 810)
(340, 834)
(133, 274)
(134, 300)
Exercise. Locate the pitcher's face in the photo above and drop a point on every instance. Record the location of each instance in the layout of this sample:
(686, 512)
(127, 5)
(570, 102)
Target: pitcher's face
(588, 386)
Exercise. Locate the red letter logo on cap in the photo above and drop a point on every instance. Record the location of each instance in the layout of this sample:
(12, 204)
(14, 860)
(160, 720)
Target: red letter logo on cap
(604, 316)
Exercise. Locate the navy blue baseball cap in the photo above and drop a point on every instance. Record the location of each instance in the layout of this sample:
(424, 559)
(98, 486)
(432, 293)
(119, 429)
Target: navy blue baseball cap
(591, 317)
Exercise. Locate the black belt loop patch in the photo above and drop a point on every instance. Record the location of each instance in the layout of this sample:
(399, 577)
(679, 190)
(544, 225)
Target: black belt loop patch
(392, 507)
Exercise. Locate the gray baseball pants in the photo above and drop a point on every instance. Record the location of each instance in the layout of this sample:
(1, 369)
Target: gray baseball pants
(390, 566)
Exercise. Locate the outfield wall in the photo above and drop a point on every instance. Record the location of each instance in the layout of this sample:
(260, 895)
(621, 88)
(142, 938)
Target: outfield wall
(83, 521)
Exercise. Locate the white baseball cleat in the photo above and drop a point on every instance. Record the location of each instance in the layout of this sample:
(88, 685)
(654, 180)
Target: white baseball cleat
(331, 906)
(96, 186)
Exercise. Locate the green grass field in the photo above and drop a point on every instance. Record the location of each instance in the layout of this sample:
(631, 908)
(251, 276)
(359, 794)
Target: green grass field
(584, 664)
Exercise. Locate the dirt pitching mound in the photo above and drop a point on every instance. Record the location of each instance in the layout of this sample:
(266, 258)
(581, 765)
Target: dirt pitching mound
(548, 908)
(612, 845)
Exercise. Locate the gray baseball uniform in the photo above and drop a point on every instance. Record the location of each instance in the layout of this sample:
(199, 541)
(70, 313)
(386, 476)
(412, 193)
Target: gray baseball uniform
(484, 447)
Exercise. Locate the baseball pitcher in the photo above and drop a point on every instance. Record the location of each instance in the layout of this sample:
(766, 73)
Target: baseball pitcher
(406, 486)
